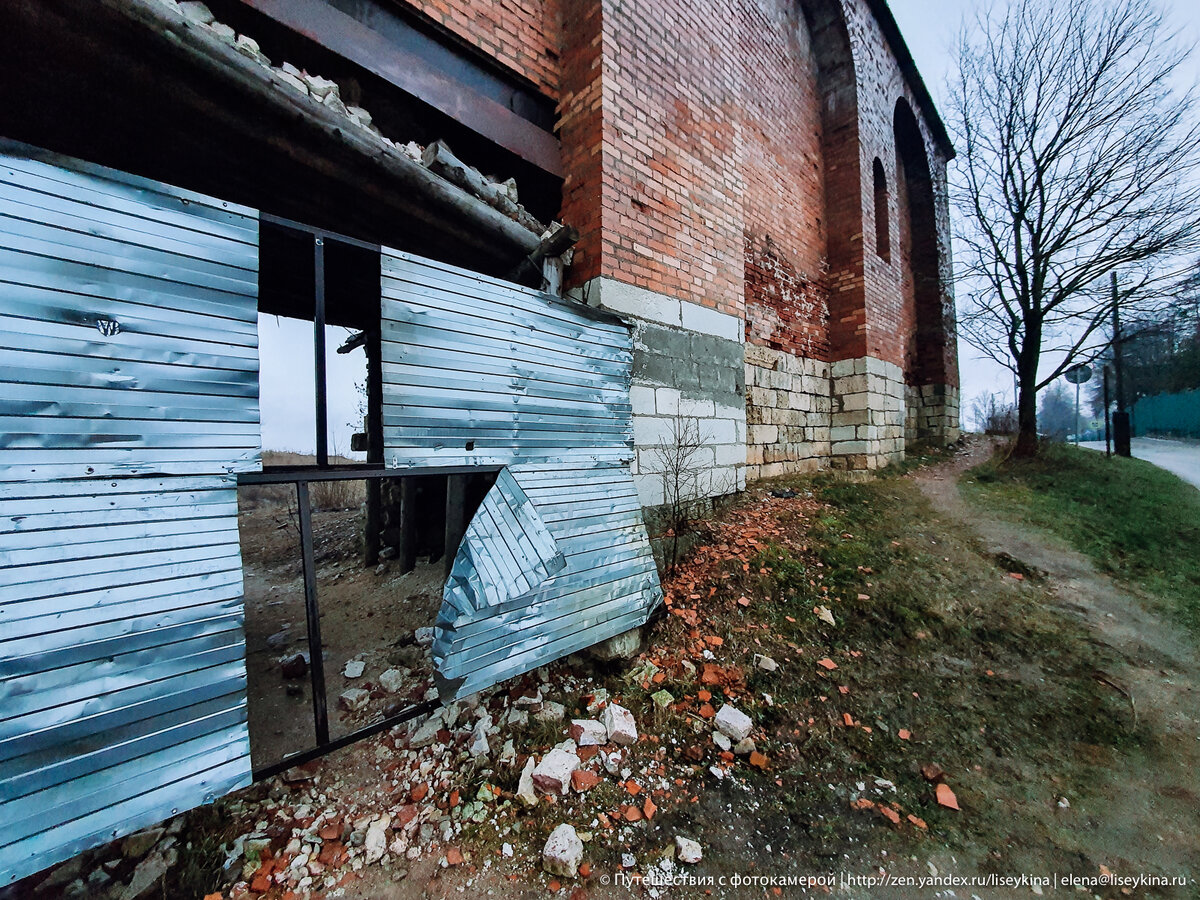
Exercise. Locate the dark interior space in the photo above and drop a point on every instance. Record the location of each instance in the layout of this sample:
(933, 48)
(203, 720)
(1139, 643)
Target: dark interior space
(102, 86)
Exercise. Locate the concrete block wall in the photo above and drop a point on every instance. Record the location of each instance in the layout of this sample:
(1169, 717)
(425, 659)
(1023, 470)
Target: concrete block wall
(866, 427)
(788, 407)
(688, 366)
(932, 414)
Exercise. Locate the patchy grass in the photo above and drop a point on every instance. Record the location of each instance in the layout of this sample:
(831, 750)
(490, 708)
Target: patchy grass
(1134, 520)
(988, 678)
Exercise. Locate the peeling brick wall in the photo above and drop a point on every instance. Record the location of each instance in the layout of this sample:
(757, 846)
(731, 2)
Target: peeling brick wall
(720, 153)
(785, 309)
(524, 35)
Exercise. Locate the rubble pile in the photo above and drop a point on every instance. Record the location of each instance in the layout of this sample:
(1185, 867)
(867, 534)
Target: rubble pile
(553, 775)
(469, 785)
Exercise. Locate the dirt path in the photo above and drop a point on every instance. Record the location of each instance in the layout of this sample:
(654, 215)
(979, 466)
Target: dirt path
(1147, 814)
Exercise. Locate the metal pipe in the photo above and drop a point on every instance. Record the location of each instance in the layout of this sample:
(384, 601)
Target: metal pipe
(1107, 417)
(299, 759)
(316, 665)
(319, 349)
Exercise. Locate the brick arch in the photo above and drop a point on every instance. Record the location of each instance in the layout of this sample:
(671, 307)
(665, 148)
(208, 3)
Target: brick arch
(919, 252)
(838, 89)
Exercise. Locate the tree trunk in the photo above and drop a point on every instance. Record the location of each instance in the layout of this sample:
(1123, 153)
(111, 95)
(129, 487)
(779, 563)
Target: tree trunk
(1027, 433)
(1027, 369)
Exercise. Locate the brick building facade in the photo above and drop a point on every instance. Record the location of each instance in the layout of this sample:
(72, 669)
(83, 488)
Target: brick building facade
(760, 185)
(768, 193)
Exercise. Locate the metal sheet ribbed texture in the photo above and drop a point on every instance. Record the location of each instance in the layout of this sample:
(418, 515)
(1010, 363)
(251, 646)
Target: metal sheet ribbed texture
(481, 371)
(506, 551)
(129, 401)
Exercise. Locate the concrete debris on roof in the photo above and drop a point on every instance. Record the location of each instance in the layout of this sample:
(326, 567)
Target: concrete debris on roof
(499, 193)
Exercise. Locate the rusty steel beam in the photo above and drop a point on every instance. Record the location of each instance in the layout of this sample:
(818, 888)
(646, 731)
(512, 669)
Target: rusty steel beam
(346, 36)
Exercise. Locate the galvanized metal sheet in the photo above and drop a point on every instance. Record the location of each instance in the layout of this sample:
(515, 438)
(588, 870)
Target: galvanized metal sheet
(506, 551)
(128, 403)
(478, 371)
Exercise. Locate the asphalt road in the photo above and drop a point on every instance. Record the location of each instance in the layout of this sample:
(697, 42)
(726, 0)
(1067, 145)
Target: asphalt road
(1180, 457)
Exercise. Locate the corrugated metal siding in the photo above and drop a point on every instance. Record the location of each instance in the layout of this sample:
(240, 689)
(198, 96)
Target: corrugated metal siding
(539, 385)
(506, 551)
(122, 659)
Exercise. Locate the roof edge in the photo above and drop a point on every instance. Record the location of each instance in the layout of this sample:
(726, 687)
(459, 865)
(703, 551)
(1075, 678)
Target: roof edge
(891, 32)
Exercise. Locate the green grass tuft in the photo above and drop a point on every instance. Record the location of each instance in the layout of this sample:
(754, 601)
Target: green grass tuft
(1136, 521)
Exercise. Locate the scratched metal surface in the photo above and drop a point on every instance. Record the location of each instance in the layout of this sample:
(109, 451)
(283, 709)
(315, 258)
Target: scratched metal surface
(481, 371)
(128, 403)
(506, 551)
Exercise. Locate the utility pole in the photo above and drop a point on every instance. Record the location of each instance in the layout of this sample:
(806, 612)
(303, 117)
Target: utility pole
(1107, 421)
(1120, 417)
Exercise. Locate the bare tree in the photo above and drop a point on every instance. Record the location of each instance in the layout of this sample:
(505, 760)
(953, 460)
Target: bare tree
(993, 414)
(679, 463)
(1078, 159)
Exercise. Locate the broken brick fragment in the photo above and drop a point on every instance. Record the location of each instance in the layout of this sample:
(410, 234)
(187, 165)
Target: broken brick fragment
(583, 780)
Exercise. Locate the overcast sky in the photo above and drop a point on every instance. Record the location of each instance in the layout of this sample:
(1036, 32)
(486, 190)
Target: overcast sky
(287, 387)
(930, 30)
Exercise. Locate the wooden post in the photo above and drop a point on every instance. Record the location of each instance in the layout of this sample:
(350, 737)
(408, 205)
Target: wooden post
(456, 518)
(408, 525)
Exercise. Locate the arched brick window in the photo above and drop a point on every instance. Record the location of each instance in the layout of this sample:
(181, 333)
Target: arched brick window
(883, 238)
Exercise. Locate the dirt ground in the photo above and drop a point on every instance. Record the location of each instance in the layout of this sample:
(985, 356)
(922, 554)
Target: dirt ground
(1146, 813)
(369, 614)
(1061, 712)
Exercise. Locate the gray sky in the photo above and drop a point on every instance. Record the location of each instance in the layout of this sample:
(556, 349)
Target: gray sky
(930, 30)
(288, 395)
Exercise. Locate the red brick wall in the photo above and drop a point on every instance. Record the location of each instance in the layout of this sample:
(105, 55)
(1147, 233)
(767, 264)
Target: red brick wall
(581, 128)
(786, 298)
(672, 184)
(525, 35)
(891, 312)
(724, 166)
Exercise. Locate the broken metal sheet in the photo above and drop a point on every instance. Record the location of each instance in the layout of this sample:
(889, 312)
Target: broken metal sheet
(506, 552)
(479, 371)
(608, 585)
(128, 401)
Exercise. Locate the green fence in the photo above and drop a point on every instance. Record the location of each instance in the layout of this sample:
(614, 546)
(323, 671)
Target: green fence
(1174, 415)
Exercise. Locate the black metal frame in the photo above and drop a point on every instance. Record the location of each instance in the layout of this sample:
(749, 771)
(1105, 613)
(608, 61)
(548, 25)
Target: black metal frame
(320, 236)
(301, 478)
(372, 471)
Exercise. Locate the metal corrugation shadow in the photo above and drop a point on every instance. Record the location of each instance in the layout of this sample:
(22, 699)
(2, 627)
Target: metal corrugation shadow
(479, 371)
(128, 403)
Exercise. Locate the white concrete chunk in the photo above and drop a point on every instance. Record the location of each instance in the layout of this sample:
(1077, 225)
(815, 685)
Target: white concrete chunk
(550, 712)
(563, 852)
(733, 723)
(479, 745)
(618, 722)
(393, 680)
(588, 732)
(553, 774)
(687, 850)
(525, 791)
(426, 734)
